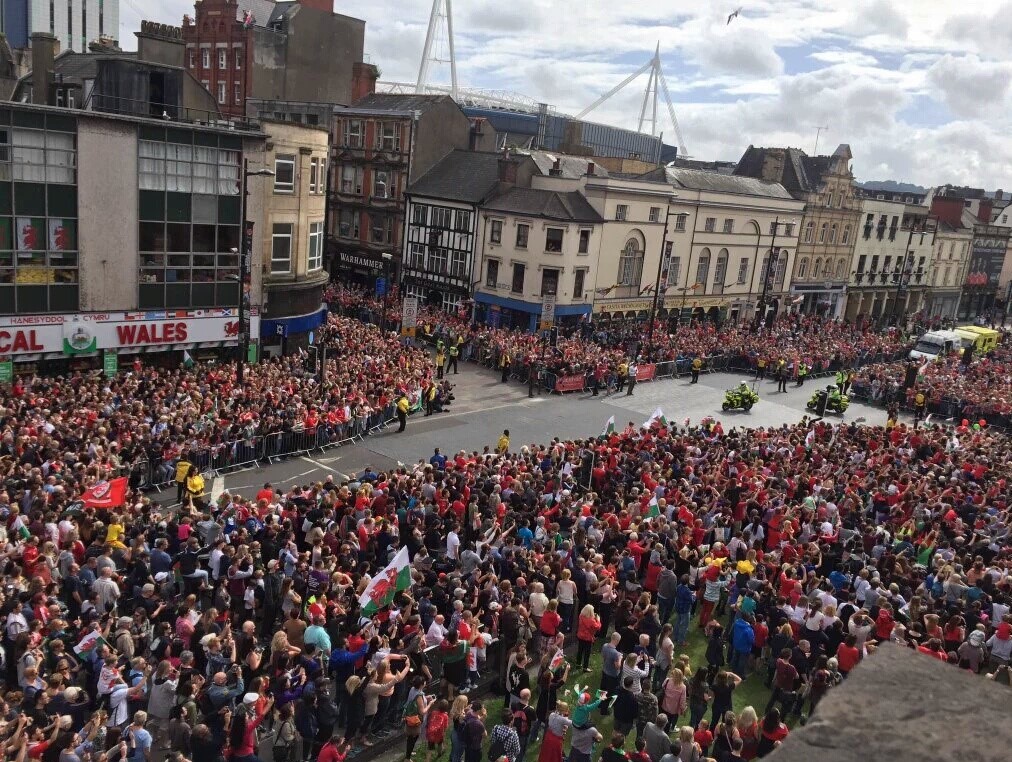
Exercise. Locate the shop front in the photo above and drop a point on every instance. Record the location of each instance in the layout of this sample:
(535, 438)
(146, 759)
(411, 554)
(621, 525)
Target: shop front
(91, 340)
(825, 299)
(279, 335)
(361, 268)
(504, 312)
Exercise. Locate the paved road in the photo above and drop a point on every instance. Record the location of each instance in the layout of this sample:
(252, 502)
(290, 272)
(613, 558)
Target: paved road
(484, 407)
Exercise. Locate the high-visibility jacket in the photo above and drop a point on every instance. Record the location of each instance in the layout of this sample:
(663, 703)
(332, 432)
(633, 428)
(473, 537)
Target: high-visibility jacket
(403, 405)
(182, 469)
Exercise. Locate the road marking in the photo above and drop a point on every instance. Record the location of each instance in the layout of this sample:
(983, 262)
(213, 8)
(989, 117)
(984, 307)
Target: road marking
(316, 463)
(217, 487)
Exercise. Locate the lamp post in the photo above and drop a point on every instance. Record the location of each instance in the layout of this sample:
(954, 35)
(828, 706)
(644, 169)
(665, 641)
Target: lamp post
(657, 283)
(907, 266)
(769, 272)
(387, 259)
(246, 268)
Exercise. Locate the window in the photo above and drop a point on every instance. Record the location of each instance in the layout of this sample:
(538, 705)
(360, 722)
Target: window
(841, 269)
(281, 248)
(463, 221)
(351, 181)
(655, 214)
(519, 270)
(846, 234)
(630, 264)
(382, 228)
(621, 212)
(222, 58)
(832, 233)
(492, 273)
(284, 174)
(380, 185)
(419, 214)
(441, 217)
(495, 235)
(822, 232)
(721, 269)
(315, 261)
(348, 223)
(553, 240)
(523, 233)
(774, 224)
(353, 133)
(861, 262)
(832, 198)
(703, 267)
(39, 156)
(192, 57)
(416, 256)
(803, 267)
(238, 93)
(728, 226)
(680, 221)
(789, 229)
(238, 58)
(710, 225)
(578, 280)
(205, 58)
(743, 270)
(549, 282)
(584, 247)
(438, 258)
(674, 271)
(317, 175)
(222, 93)
(458, 264)
(809, 231)
(388, 136)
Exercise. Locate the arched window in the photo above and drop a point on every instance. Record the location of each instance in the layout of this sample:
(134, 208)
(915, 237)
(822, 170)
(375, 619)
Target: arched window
(822, 232)
(832, 233)
(809, 231)
(703, 267)
(630, 263)
(803, 267)
(816, 268)
(841, 269)
(720, 271)
(846, 234)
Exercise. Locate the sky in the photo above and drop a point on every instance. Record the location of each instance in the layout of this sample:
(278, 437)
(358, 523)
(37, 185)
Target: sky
(919, 89)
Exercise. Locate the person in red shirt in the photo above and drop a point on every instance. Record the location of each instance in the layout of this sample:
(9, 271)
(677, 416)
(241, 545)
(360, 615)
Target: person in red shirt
(848, 655)
(242, 730)
(334, 750)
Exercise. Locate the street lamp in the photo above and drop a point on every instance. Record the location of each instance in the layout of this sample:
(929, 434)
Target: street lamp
(907, 266)
(246, 268)
(387, 259)
(657, 281)
(769, 271)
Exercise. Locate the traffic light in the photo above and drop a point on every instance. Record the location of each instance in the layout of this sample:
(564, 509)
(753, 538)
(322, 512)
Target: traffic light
(311, 361)
(553, 336)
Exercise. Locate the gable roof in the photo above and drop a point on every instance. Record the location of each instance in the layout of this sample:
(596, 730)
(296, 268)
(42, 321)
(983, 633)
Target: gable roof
(801, 173)
(698, 179)
(572, 167)
(468, 176)
(262, 11)
(400, 102)
(566, 206)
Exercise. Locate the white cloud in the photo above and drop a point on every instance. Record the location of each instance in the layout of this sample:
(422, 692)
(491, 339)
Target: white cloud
(770, 77)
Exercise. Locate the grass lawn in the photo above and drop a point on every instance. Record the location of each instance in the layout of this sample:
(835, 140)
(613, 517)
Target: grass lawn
(750, 692)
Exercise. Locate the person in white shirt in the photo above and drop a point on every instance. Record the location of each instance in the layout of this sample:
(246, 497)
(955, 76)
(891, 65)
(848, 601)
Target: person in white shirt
(108, 591)
(436, 632)
(452, 544)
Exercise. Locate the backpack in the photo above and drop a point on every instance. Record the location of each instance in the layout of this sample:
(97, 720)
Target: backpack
(520, 722)
(497, 748)
(204, 704)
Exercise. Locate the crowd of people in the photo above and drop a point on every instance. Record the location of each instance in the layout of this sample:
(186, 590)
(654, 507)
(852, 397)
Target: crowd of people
(210, 630)
(982, 387)
(147, 421)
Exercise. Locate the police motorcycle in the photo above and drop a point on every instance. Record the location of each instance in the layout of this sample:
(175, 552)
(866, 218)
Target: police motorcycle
(741, 397)
(829, 400)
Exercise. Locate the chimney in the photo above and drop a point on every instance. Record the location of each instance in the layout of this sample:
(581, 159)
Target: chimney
(508, 168)
(999, 195)
(773, 165)
(43, 64)
(590, 168)
(556, 170)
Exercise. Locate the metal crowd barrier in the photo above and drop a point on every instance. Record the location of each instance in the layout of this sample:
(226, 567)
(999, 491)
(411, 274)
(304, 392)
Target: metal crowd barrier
(255, 451)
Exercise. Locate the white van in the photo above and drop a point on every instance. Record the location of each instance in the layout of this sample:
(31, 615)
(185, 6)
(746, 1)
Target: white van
(935, 344)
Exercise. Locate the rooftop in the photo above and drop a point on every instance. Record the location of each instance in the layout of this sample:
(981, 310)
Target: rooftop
(697, 179)
(399, 102)
(468, 176)
(567, 206)
(572, 167)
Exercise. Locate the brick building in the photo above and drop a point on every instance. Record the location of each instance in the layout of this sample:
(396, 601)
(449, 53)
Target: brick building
(292, 51)
(378, 147)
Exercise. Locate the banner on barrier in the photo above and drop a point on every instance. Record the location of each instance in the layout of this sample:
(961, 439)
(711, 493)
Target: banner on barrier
(646, 372)
(569, 384)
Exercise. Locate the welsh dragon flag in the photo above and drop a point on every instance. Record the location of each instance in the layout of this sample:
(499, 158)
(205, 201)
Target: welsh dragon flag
(656, 417)
(609, 427)
(653, 509)
(385, 585)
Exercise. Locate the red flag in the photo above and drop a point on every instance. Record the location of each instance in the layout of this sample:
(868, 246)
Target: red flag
(110, 494)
